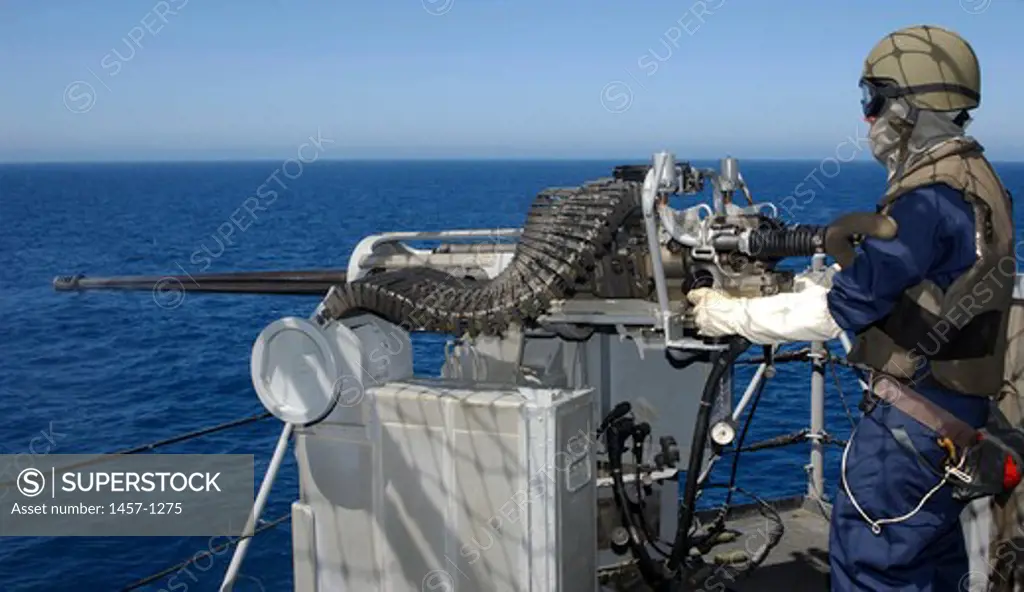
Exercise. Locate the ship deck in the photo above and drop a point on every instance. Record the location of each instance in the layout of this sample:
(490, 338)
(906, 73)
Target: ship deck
(798, 562)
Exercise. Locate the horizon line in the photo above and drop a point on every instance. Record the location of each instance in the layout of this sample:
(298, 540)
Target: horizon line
(602, 159)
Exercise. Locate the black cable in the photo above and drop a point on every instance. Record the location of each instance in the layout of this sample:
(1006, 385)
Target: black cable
(618, 412)
(722, 361)
(196, 434)
(103, 457)
(779, 441)
(614, 442)
(829, 439)
(642, 432)
(743, 433)
(768, 512)
(638, 457)
(839, 388)
(215, 551)
(718, 524)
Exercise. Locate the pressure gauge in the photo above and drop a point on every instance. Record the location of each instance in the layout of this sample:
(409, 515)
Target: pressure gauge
(723, 433)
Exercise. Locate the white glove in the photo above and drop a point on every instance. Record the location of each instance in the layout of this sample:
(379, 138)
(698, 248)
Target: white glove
(801, 315)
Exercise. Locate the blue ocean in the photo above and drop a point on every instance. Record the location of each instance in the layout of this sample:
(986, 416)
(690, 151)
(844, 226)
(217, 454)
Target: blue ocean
(103, 371)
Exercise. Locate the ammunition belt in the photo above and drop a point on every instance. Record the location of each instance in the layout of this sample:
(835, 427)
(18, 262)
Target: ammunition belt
(566, 232)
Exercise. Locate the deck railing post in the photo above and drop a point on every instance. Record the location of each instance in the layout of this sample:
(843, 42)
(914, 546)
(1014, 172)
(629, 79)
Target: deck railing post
(261, 499)
(816, 474)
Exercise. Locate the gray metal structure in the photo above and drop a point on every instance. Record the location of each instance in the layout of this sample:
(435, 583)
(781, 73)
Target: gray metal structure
(597, 351)
(493, 476)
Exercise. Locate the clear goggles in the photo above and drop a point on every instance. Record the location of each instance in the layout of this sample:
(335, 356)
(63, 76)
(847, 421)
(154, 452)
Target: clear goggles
(872, 98)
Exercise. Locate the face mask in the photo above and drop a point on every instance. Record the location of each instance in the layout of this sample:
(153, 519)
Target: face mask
(883, 139)
(888, 136)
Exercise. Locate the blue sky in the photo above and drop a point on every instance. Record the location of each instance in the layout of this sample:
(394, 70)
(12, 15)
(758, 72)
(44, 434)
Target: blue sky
(198, 79)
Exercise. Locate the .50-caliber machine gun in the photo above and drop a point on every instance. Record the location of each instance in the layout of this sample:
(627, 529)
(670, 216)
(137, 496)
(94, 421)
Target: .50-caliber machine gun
(569, 344)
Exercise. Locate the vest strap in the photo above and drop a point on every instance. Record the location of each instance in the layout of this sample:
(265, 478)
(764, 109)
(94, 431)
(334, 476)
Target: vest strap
(923, 410)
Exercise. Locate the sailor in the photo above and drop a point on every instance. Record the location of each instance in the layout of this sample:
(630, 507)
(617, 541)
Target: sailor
(928, 310)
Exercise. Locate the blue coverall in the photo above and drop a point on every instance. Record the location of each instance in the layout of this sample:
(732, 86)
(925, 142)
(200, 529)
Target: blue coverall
(926, 553)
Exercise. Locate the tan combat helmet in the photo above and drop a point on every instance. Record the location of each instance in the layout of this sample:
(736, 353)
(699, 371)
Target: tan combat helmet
(930, 67)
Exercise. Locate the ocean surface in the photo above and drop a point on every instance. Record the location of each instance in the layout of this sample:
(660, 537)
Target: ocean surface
(103, 371)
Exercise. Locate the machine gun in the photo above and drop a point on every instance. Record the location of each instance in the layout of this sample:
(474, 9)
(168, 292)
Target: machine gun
(545, 317)
(615, 238)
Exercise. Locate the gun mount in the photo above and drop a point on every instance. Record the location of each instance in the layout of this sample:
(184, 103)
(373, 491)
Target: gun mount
(600, 241)
(578, 319)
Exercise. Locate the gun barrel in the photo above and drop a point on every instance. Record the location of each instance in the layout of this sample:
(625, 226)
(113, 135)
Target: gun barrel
(315, 282)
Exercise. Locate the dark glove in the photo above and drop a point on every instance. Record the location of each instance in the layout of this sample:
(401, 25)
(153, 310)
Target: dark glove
(844, 233)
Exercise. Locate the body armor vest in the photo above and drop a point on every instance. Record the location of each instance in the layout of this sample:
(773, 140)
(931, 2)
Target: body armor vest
(959, 333)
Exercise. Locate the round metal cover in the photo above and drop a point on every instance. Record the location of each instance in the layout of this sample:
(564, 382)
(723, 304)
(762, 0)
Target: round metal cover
(294, 371)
